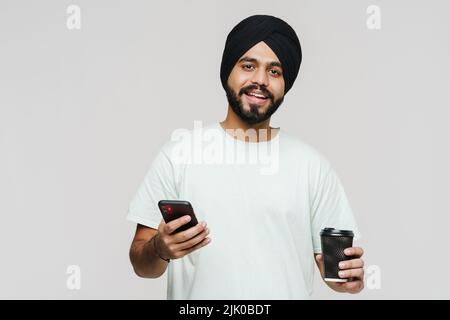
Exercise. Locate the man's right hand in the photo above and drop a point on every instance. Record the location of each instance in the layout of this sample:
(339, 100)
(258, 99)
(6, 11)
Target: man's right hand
(176, 245)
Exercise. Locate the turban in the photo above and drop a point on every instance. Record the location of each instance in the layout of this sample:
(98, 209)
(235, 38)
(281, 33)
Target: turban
(276, 33)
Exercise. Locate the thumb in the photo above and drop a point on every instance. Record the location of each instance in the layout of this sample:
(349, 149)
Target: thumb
(161, 226)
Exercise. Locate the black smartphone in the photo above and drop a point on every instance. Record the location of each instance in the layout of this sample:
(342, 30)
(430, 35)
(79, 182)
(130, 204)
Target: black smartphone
(174, 209)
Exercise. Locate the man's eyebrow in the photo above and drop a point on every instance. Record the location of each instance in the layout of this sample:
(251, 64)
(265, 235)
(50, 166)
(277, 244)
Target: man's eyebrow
(269, 64)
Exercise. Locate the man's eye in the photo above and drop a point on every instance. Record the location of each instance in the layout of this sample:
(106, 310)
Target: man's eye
(248, 66)
(275, 72)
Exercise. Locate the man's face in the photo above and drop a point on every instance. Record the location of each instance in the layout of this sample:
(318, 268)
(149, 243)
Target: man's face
(257, 73)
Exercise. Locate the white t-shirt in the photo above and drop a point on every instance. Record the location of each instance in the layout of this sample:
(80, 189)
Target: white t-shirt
(264, 215)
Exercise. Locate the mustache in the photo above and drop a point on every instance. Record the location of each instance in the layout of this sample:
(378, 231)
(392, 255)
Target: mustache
(255, 87)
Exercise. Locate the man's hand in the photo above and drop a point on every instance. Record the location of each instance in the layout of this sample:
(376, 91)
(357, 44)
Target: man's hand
(176, 245)
(353, 269)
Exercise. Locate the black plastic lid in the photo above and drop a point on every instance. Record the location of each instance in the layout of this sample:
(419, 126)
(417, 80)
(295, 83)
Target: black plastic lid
(336, 232)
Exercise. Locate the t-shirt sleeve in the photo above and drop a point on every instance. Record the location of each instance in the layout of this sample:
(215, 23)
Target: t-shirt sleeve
(330, 207)
(158, 184)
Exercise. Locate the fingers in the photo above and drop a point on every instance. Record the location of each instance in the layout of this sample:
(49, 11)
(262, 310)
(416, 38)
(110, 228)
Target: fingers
(189, 233)
(353, 267)
(354, 251)
(175, 224)
(355, 273)
(351, 264)
(162, 225)
(179, 244)
(203, 243)
(193, 241)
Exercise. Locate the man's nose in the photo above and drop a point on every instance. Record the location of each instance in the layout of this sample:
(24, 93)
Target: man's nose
(260, 77)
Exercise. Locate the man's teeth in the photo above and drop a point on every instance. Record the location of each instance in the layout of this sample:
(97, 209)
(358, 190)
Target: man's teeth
(256, 95)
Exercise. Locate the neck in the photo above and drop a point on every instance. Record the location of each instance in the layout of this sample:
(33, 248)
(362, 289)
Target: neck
(236, 125)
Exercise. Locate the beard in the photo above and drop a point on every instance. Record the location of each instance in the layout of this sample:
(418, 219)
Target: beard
(252, 116)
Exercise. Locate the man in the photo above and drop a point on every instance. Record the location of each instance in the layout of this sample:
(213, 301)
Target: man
(265, 225)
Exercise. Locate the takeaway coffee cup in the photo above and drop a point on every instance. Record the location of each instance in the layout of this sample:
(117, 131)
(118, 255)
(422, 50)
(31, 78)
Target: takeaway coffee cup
(334, 242)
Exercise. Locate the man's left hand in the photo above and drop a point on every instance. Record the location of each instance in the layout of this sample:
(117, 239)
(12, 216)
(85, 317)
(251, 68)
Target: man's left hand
(352, 269)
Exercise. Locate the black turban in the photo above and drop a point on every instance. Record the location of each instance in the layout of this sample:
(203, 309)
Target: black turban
(276, 33)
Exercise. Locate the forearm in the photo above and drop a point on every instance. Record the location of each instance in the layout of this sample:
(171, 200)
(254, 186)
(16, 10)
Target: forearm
(145, 261)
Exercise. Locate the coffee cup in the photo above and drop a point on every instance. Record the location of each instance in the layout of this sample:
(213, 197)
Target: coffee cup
(334, 242)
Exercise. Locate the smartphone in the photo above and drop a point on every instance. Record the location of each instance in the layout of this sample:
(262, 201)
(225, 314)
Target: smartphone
(174, 209)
